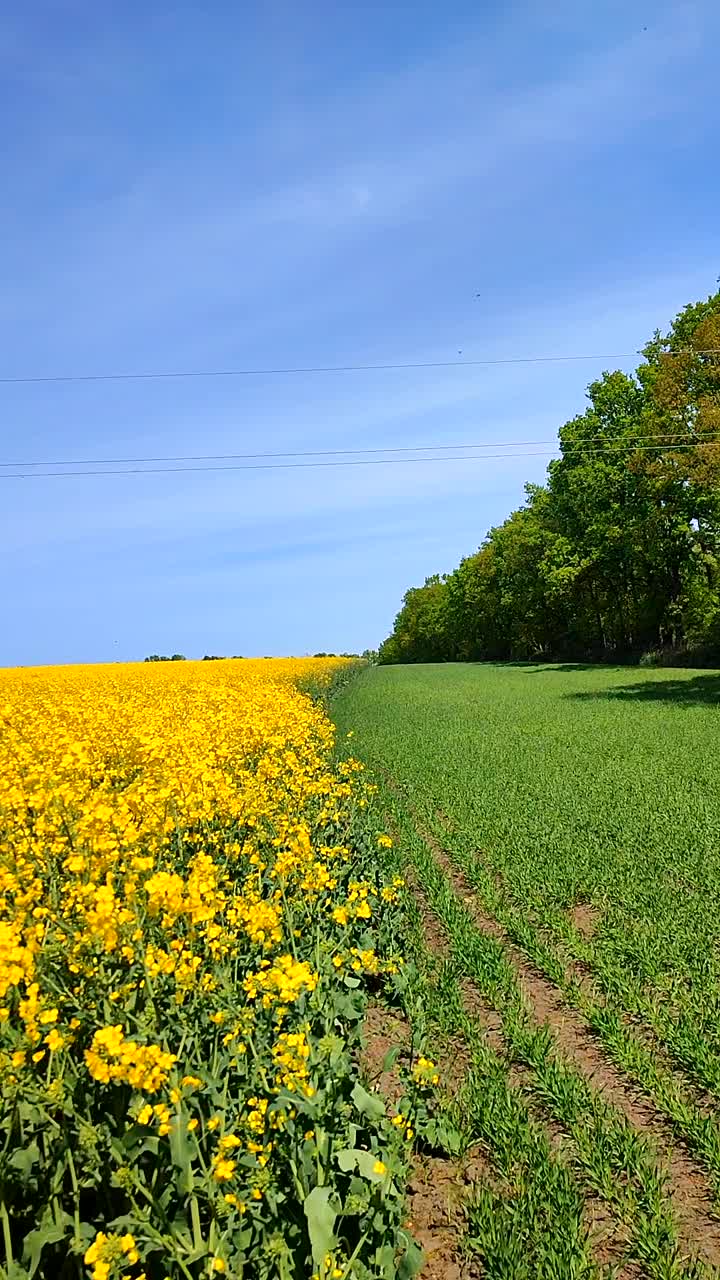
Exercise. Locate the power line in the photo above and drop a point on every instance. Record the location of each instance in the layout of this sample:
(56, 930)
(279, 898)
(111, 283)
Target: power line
(329, 368)
(357, 462)
(327, 453)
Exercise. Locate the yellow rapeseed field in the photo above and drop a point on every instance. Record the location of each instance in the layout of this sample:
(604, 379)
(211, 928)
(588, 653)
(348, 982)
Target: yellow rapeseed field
(192, 914)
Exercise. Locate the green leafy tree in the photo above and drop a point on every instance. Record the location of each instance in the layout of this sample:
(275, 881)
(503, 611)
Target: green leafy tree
(620, 551)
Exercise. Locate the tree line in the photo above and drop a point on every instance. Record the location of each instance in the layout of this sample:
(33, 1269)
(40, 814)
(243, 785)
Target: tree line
(618, 553)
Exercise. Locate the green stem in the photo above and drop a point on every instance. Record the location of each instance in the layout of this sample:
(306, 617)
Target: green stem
(7, 1238)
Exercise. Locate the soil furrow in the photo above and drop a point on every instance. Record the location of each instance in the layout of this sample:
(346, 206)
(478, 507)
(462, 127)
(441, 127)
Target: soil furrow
(607, 1235)
(687, 1184)
(438, 1185)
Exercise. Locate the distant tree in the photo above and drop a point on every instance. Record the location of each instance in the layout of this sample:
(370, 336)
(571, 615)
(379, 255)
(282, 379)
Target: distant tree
(620, 550)
(421, 627)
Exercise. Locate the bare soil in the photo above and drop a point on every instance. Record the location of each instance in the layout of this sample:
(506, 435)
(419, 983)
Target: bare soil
(438, 1186)
(585, 917)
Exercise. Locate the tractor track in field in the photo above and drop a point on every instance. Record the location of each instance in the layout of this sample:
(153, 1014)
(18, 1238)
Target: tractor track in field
(438, 1184)
(687, 1186)
(584, 917)
(607, 1235)
(639, 1027)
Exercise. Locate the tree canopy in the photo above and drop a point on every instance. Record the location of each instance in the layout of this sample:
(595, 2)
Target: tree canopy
(618, 553)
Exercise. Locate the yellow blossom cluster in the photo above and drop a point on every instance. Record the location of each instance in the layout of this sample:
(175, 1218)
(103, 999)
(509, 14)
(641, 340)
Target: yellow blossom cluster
(425, 1072)
(142, 1066)
(290, 1055)
(107, 1250)
(182, 916)
(280, 983)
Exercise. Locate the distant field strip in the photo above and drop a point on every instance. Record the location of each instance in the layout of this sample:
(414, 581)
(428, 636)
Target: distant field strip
(563, 827)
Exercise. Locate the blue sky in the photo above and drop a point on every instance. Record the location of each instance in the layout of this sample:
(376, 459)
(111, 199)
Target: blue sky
(281, 185)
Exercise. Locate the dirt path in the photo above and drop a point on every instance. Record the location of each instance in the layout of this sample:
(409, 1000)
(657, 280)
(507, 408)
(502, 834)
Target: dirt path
(438, 1185)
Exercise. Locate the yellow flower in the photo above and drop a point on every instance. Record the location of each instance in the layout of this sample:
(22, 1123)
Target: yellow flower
(54, 1040)
(127, 1244)
(113, 1058)
(223, 1169)
(379, 1167)
(107, 1250)
(425, 1071)
(218, 1265)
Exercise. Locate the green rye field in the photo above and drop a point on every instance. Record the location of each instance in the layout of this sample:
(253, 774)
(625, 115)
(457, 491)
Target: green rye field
(560, 829)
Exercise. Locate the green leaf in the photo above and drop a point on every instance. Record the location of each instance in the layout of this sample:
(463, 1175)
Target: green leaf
(352, 1157)
(35, 1242)
(321, 1217)
(347, 1159)
(16, 1272)
(123, 1222)
(182, 1149)
(391, 1058)
(411, 1261)
(25, 1158)
(442, 1134)
(368, 1104)
(366, 1161)
(386, 1262)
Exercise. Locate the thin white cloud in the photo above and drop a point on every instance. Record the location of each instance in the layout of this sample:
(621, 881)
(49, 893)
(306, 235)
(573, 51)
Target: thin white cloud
(173, 240)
